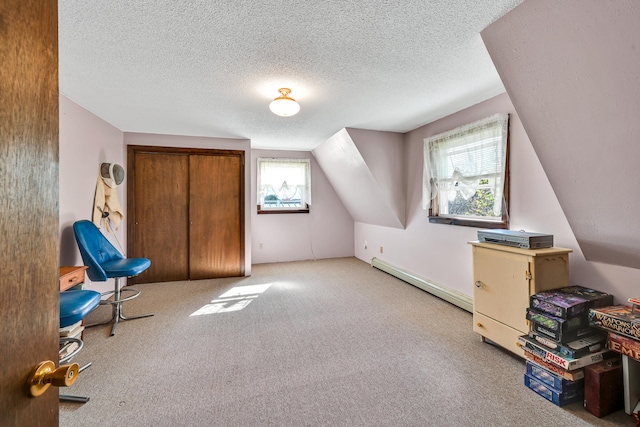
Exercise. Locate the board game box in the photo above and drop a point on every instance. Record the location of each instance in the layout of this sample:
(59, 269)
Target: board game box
(580, 347)
(620, 319)
(569, 302)
(624, 345)
(527, 343)
(562, 337)
(557, 324)
(551, 379)
(574, 375)
(556, 397)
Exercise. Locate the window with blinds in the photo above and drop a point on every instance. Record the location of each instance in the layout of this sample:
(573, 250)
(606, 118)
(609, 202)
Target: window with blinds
(465, 180)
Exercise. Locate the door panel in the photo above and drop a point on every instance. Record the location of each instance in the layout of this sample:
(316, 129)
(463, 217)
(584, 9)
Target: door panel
(216, 210)
(29, 293)
(161, 216)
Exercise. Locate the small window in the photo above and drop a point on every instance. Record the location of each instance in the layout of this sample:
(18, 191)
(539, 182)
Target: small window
(466, 174)
(284, 185)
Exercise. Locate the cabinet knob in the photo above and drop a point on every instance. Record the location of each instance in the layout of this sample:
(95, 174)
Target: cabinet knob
(479, 325)
(478, 284)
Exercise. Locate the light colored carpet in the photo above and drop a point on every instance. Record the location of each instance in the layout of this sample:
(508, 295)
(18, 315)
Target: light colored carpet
(327, 343)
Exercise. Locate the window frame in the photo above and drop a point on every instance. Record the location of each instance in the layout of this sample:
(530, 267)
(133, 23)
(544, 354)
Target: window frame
(467, 221)
(305, 208)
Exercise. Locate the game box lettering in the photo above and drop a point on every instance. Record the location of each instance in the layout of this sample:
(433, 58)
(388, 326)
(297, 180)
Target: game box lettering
(620, 319)
(568, 363)
(575, 375)
(624, 345)
(589, 344)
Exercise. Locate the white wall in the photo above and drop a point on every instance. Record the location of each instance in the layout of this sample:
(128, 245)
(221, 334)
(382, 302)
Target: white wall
(440, 252)
(325, 232)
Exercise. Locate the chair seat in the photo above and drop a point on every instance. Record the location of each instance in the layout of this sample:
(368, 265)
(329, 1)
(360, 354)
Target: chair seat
(76, 305)
(127, 267)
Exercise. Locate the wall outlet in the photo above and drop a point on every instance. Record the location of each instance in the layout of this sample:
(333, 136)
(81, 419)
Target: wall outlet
(260, 245)
(381, 249)
(365, 244)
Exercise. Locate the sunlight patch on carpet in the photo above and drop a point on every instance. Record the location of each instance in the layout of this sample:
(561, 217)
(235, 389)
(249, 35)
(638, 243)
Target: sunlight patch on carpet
(235, 299)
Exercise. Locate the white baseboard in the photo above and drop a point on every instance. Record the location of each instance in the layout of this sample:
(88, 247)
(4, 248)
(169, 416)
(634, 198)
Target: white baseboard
(454, 297)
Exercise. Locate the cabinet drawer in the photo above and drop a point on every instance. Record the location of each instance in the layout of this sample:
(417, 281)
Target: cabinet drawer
(503, 335)
(71, 276)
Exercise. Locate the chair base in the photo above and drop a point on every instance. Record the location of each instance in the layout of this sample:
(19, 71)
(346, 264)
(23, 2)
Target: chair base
(75, 399)
(63, 342)
(116, 305)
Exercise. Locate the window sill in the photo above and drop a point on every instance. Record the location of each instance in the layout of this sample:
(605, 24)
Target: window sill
(469, 222)
(281, 211)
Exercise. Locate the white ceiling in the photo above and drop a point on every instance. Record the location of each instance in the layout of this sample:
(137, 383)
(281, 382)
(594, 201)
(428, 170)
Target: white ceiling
(211, 67)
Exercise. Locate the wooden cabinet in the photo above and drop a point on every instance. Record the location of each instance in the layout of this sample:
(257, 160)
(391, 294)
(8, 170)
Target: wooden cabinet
(504, 278)
(186, 212)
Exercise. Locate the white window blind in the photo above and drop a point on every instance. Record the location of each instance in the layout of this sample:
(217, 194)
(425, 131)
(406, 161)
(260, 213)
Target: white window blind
(459, 162)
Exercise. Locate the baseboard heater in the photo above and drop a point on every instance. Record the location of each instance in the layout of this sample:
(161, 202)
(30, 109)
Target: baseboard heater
(454, 297)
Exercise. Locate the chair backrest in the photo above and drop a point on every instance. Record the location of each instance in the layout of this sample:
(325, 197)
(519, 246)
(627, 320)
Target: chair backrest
(95, 249)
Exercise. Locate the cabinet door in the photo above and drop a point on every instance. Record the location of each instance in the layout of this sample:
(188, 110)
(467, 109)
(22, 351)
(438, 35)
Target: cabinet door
(549, 272)
(501, 289)
(216, 236)
(161, 216)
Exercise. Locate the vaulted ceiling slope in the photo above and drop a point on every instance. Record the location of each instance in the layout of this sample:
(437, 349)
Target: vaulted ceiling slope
(365, 169)
(211, 67)
(571, 70)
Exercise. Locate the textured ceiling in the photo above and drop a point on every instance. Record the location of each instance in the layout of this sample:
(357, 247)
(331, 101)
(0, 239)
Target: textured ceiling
(211, 67)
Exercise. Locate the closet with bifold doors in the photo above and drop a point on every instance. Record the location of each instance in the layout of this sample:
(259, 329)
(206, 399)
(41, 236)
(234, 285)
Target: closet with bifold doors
(185, 210)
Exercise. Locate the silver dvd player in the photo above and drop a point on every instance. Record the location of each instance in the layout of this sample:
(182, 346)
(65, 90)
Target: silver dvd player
(518, 239)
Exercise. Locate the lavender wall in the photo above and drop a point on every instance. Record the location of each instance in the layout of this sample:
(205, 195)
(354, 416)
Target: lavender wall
(86, 141)
(571, 70)
(325, 232)
(366, 186)
(440, 253)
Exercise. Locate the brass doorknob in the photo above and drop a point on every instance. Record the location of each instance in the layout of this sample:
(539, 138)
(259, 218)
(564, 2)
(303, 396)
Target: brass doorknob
(46, 374)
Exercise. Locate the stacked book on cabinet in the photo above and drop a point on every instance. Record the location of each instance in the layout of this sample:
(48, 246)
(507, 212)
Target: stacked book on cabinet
(561, 342)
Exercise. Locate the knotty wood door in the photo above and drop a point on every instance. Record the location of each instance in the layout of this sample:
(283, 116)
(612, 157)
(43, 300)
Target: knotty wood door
(29, 223)
(186, 212)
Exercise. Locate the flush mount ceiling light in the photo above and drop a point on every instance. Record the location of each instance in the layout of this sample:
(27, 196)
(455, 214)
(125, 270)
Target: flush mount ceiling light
(284, 105)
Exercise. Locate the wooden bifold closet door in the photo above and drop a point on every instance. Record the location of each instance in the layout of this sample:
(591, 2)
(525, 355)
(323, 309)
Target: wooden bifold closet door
(186, 212)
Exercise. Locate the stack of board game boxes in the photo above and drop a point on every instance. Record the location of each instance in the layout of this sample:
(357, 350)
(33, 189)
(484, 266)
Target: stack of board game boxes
(621, 323)
(561, 342)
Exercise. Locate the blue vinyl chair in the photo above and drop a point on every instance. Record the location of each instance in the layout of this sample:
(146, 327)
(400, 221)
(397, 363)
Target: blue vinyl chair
(74, 307)
(104, 261)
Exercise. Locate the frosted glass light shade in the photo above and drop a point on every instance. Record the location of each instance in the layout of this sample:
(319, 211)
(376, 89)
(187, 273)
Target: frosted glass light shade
(284, 105)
